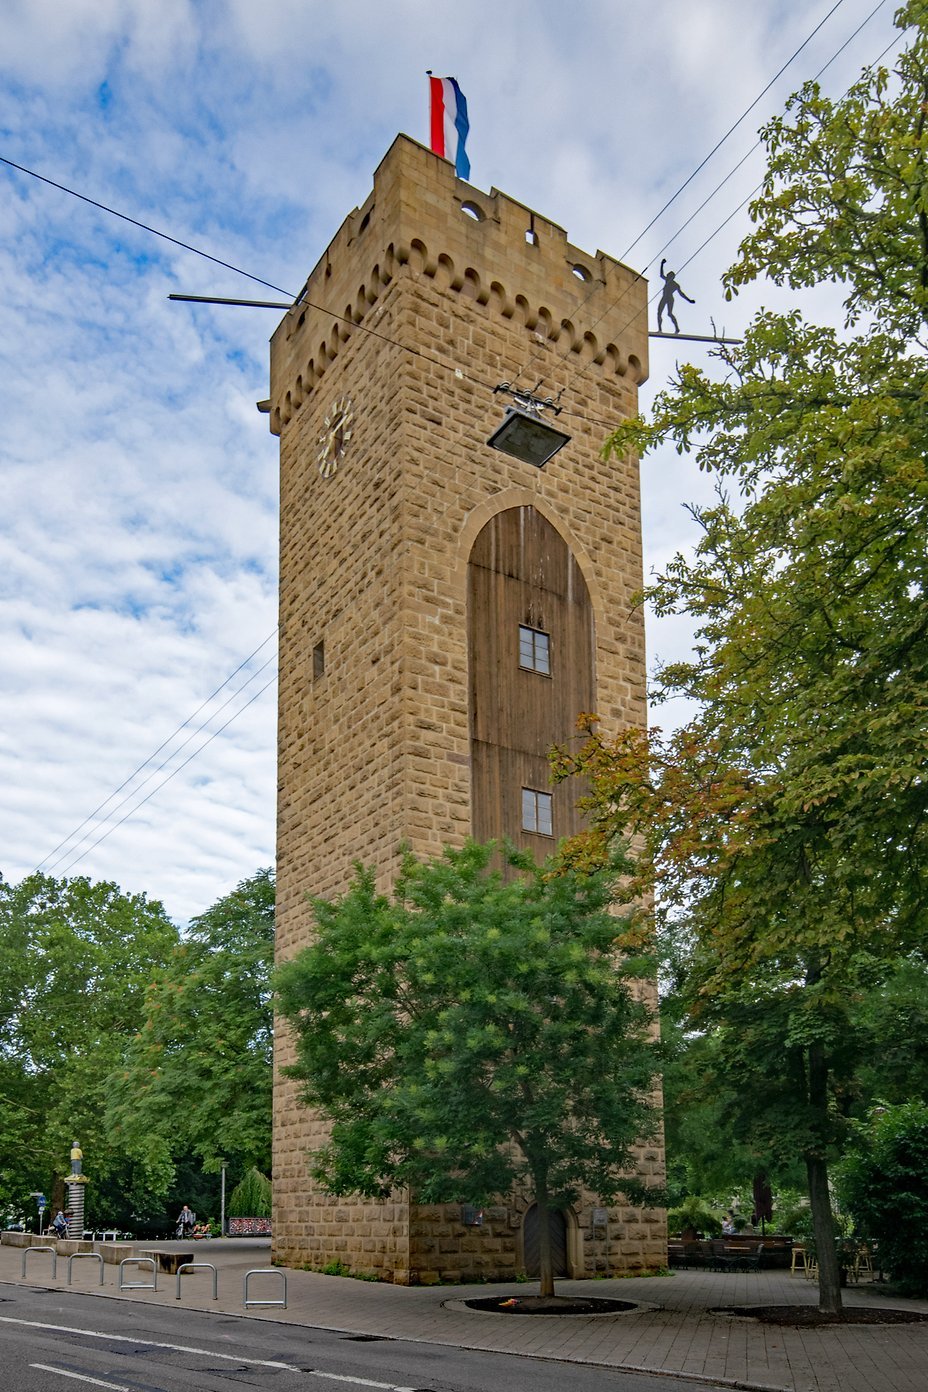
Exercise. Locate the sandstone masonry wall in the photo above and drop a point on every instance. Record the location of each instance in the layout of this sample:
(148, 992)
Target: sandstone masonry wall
(374, 750)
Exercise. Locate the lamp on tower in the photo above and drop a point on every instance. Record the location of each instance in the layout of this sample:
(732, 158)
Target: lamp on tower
(523, 433)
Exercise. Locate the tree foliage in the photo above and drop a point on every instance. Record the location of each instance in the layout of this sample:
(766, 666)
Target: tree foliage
(713, 1148)
(785, 825)
(75, 960)
(893, 1025)
(152, 1047)
(196, 1079)
(251, 1197)
(884, 1182)
(473, 1033)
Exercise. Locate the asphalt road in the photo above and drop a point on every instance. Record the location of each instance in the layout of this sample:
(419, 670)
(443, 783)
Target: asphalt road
(54, 1341)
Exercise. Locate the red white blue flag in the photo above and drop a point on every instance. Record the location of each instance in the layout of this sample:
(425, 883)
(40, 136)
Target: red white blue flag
(449, 123)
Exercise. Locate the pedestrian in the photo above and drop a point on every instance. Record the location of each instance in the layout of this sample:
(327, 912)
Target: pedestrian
(185, 1221)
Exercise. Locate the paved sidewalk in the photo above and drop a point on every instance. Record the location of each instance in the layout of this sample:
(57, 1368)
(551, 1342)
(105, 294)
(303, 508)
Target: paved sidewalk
(673, 1331)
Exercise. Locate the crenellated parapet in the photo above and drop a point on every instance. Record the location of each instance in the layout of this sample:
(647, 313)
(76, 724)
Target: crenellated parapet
(422, 223)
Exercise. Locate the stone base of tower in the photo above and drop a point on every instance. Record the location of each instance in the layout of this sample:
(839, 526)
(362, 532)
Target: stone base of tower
(424, 1244)
(431, 1244)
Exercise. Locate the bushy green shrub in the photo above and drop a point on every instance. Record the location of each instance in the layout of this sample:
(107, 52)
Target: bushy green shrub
(796, 1222)
(884, 1183)
(693, 1214)
(252, 1197)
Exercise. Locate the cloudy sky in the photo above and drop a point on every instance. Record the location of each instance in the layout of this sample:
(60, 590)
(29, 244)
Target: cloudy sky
(138, 484)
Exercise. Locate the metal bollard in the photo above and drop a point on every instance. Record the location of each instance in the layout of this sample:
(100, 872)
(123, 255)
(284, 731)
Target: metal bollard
(138, 1285)
(199, 1266)
(265, 1271)
(54, 1252)
(83, 1256)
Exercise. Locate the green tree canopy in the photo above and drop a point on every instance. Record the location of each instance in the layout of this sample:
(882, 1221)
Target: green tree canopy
(714, 1149)
(252, 1196)
(196, 1079)
(884, 1182)
(76, 959)
(785, 824)
(472, 1033)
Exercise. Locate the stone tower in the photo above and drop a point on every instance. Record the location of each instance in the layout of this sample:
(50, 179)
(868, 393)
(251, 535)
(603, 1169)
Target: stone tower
(446, 612)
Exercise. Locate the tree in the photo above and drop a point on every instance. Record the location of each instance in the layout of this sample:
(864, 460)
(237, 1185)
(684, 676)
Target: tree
(474, 1033)
(785, 826)
(711, 1152)
(75, 959)
(252, 1196)
(196, 1079)
(894, 1015)
(884, 1182)
(716, 1144)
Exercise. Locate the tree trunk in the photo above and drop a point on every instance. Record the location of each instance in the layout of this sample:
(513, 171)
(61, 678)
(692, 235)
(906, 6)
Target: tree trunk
(545, 1265)
(57, 1198)
(829, 1274)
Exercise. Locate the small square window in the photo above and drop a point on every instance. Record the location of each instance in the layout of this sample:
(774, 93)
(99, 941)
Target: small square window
(537, 812)
(534, 650)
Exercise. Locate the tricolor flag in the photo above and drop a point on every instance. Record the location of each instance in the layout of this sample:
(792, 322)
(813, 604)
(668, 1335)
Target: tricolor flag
(449, 123)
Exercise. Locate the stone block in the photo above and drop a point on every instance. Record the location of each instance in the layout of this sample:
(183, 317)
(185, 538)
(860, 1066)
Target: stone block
(114, 1252)
(167, 1262)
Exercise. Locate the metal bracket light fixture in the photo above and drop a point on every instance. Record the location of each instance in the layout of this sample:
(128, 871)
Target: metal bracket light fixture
(523, 433)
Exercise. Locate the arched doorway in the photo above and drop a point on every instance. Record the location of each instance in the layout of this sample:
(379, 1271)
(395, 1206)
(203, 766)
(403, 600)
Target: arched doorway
(531, 658)
(557, 1226)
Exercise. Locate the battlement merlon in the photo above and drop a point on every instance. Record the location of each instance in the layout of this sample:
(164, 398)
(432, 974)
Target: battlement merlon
(591, 307)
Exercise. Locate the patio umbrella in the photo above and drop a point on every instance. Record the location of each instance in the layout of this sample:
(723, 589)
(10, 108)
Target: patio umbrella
(763, 1201)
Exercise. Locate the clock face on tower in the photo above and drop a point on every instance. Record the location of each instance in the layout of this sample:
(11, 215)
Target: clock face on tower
(335, 436)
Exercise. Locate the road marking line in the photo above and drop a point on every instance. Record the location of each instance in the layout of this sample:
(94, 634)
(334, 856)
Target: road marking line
(364, 1382)
(185, 1348)
(80, 1377)
(151, 1343)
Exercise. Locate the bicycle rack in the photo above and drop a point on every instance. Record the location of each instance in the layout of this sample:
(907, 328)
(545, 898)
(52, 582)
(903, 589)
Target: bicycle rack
(54, 1252)
(83, 1256)
(137, 1285)
(199, 1266)
(265, 1271)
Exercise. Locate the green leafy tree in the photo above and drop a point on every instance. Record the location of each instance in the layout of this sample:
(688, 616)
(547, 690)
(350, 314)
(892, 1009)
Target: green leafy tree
(893, 1022)
(716, 1144)
(785, 825)
(473, 1033)
(782, 967)
(196, 1079)
(75, 960)
(884, 1183)
(251, 1197)
(711, 1153)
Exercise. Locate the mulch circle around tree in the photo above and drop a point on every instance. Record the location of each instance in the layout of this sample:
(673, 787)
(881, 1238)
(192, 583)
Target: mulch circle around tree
(811, 1317)
(550, 1305)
